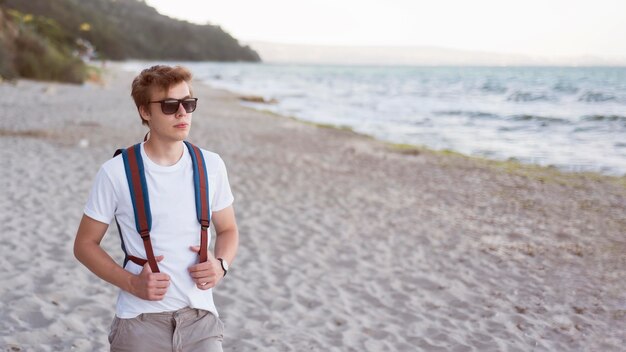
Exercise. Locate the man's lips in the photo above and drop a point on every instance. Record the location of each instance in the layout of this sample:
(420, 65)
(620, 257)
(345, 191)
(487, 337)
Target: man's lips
(181, 125)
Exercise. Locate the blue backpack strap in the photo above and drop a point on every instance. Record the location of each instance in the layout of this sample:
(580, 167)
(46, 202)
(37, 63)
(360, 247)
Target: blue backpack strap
(201, 187)
(136, 177)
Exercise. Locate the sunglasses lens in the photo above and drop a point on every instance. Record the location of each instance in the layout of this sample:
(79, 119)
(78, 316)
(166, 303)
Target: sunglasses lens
(169, 106)
(189, 105)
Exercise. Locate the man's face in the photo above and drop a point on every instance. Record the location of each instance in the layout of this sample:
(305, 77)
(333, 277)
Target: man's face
(173, 127)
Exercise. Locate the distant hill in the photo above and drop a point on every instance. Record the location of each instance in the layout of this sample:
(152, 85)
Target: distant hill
(130, 29)
(416, 55)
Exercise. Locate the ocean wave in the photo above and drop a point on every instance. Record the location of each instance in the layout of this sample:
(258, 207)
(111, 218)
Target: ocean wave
(512, 128)
(596, 97)
(529, 96)
(604, 118)
(586, 129)
(423, 122)
(562, 87)
(473, 114)
(542, 119)
(492, 87)
(449, 112)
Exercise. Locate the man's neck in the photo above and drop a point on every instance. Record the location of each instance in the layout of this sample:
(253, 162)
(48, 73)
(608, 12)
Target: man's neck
(164, 153)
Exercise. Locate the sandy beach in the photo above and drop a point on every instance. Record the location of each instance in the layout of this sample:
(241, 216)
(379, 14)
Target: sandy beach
(346, 243)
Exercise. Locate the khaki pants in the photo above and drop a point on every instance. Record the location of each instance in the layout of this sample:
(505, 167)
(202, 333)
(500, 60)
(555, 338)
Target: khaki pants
(185, 330)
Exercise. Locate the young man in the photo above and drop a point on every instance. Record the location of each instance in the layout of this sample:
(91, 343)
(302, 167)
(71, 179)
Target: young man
(170, 310)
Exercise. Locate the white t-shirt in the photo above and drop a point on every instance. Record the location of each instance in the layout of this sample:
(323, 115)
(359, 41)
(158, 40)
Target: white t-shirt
(174, 225)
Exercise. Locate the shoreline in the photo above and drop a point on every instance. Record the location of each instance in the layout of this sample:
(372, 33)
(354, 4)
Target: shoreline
(538, 172)
(561, 123)
(344, 240)
(508, 164)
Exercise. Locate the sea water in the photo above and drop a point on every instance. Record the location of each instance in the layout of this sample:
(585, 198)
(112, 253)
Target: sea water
(573, 118)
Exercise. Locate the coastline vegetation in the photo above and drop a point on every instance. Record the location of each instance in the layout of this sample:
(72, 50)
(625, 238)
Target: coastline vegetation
(36, 47)
(55, 40)
(547, 173)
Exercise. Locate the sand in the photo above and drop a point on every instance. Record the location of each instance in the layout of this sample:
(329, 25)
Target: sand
(347, 243)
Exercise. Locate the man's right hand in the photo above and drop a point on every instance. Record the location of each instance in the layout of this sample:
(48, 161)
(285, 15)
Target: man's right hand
(148, 285)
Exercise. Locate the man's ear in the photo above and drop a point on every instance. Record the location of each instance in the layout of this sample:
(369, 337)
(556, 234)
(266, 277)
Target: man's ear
(145, 112)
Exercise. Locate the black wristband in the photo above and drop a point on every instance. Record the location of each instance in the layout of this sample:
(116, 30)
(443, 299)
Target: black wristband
(222, 264)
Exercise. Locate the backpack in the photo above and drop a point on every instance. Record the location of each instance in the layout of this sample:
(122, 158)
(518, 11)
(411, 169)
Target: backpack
(135, 175)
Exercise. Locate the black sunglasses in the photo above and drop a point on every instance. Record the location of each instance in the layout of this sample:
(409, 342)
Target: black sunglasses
(170, 106)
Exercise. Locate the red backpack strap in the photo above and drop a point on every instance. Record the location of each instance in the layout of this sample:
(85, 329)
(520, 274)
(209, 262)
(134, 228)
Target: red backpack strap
(135, 175)
(201, 187)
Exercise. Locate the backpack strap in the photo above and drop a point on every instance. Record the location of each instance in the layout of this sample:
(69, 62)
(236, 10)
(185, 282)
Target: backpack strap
(136, 177)
(201, 187)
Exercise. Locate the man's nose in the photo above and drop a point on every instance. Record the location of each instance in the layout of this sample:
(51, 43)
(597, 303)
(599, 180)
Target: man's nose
(181, 110)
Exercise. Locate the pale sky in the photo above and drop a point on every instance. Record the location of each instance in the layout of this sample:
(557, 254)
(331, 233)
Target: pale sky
(531, 27)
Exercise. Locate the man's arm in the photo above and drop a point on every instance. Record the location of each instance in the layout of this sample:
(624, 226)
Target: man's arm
(146, 285)
(206, 275)
(227, 234)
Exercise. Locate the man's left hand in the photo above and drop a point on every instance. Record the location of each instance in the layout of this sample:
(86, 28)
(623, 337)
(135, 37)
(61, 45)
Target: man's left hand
(206, 275)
